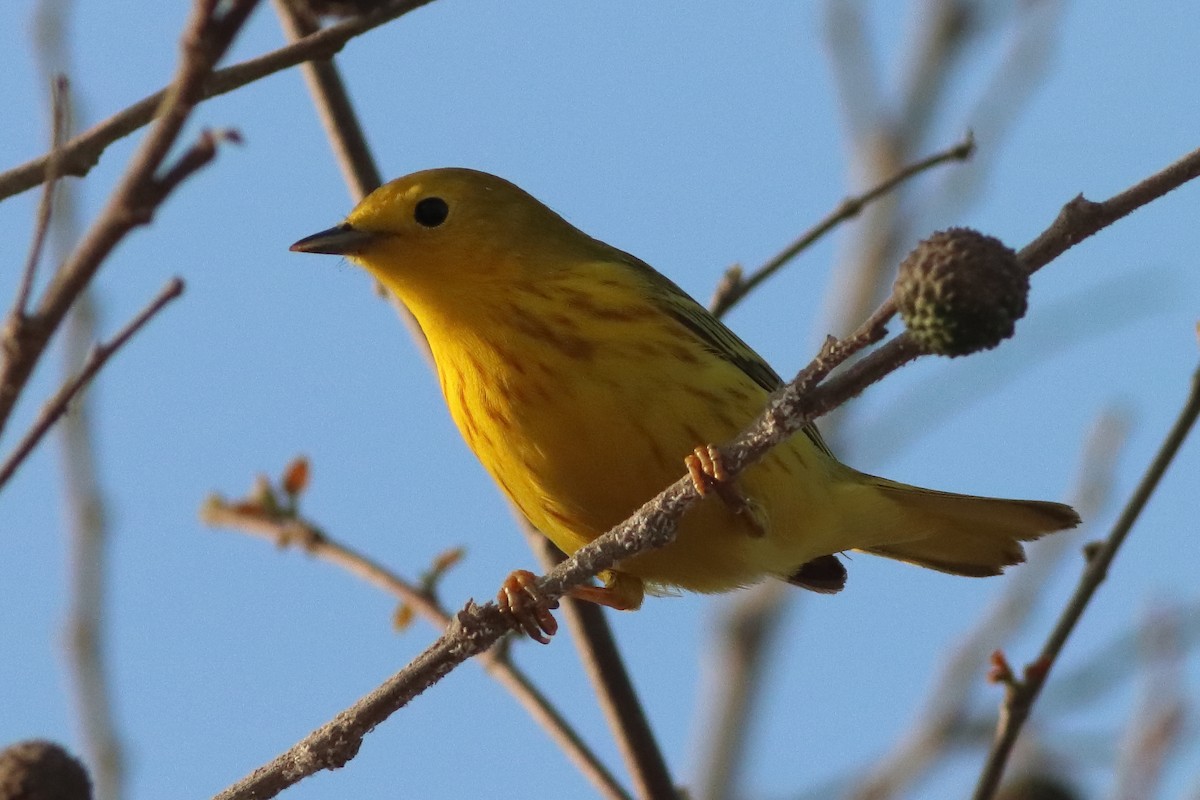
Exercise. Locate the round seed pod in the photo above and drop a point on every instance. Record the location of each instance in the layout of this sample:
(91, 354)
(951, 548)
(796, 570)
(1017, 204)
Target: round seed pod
(960, 291)
(40, 770)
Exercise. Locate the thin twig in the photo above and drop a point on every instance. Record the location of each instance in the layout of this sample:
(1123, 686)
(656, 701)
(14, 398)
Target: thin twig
(610, 679)
(135, 199)
(83, 152)
(478, 627)
(347, 139)
(59, 113)
(57, 405)
(946, 708)
(735, 287)
(1157, 724)
(734, 683)
(296, 532)
(345, 134)
(1080, 218)
(1021, 694)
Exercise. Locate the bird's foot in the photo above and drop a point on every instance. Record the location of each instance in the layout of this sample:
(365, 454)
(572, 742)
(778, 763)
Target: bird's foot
(520, 600)
(706, 467)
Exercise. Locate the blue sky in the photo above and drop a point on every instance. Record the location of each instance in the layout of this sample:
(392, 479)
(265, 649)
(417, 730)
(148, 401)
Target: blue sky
(694, 135)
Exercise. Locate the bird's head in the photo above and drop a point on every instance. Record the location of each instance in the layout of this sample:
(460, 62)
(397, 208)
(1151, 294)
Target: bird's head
(444, 235)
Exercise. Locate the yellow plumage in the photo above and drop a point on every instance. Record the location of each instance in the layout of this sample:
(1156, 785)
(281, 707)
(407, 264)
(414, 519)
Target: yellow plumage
(582, 378)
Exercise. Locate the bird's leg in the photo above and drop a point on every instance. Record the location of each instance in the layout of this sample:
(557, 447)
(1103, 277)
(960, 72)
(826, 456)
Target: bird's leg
(620, 592)
(706, 466)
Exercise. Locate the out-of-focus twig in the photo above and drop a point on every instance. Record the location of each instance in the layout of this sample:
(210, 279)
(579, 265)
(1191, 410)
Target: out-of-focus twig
(58, 404)
(83, 152)
(610, 680)
(946, 710)
(59, 114)
(345, 135)
(85, 643)
(732, 684)
(752, 620)
(1157, 722)
(141, 190)
(1022, 693)
(287, 529)
(734, 286)
(882, 134)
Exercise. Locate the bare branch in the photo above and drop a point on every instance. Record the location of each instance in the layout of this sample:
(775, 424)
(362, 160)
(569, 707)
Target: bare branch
(60, 99)
(135, 199)
(346, 137)
(1021, 694)
(57, 405)
(614, 689)
(734, 286)
(83, 152)
(1081, 218)
(284, 531)
(946, 707)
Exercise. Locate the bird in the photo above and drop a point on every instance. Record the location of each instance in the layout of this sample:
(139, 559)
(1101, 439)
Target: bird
(586, 382)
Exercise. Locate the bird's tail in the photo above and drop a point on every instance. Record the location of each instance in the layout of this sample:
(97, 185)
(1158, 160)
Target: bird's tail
(956, 533)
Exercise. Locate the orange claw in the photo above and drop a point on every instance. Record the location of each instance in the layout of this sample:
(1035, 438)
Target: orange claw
(520, 600)
(706, 467)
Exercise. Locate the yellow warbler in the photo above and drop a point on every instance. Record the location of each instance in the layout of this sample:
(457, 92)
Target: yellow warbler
(584, 380)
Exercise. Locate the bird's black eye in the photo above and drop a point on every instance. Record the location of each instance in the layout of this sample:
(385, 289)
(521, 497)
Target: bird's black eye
(431, 212)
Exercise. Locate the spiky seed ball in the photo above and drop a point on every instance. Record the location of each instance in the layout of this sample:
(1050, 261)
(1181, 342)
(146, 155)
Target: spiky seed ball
(40, 770)
(960, 291)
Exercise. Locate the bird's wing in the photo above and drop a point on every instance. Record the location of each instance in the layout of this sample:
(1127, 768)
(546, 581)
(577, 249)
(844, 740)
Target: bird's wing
(714, 335)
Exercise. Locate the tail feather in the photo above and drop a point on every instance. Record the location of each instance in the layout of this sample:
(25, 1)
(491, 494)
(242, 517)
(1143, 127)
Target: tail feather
(956, 533)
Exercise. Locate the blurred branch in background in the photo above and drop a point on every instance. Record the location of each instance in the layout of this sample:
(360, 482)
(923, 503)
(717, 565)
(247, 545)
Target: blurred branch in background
(615, 693)
(84, 629)
(883, 134)
(1157, 722)
(1023, 691)
(938, 726)
(83, 152)
(343, 130)
(145, 185)
(271, 513)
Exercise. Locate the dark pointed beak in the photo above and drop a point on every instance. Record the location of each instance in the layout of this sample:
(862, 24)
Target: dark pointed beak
(341, 240)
